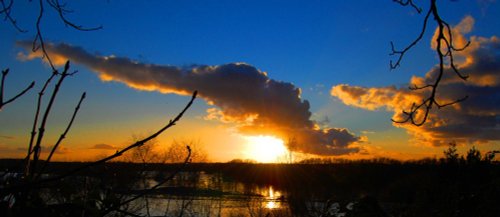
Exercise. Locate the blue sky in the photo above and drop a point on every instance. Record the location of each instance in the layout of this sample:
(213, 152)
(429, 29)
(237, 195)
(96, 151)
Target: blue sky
(314, 45)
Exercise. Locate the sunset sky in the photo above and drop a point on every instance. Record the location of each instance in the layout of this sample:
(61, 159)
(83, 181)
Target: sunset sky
(266, 72)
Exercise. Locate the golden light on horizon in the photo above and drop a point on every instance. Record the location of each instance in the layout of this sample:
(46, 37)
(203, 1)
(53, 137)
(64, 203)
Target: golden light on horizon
(265, 149)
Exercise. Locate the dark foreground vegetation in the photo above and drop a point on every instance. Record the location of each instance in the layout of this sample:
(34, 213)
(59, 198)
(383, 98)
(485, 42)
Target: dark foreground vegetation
(450, 186)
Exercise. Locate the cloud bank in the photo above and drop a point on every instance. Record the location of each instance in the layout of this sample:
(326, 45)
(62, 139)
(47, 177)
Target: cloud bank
(477, 119)
(241, 93)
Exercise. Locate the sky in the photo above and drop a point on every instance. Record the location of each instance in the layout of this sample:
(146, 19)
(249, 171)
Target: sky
(315, 73)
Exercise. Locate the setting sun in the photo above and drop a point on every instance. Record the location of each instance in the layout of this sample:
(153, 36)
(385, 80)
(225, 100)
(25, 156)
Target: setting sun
(265, 149)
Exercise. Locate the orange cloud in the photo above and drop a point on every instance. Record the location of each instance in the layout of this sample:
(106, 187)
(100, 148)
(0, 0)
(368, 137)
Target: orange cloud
(475, 120)
(457, 32)
(374, 98)
(243, 95)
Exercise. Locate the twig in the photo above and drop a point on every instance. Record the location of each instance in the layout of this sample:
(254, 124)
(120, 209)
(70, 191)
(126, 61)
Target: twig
(39, 42)
(2, 86)
(401, 53)
(63, 135)
(60, 9)
(35, 123)
(41, 129)
(6, 9)
(452, 102)
(409, 2)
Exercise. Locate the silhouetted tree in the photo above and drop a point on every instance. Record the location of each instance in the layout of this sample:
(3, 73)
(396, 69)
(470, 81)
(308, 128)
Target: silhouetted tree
(473, 156)
(490, 156)
(176, 152)
(451, 155)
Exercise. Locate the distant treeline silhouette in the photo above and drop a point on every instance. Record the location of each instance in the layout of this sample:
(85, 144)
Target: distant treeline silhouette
(454, 185)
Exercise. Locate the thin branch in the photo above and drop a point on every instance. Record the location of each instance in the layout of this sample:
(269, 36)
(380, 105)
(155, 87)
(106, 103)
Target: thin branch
(35, 123)
(6, 10)
(18, 95)
(60, 9)
(2, 86)
(415, 87)
(450, 47)
(451, 103)
(63, 135)
(4, 74)
(39, 42)
(401, 53)
(170, 124)
(409, 2)
(41, 129)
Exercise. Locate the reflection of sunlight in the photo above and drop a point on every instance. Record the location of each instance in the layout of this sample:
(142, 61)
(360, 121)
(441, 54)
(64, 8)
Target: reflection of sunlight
(265, 149)
(271, 205)
(272, 197)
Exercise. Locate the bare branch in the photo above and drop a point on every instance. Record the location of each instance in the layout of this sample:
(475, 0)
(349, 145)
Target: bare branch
(2, 86)
(6, 10)
(409, 2)
(444, 48)
(35, 124)
(18, 95)
(41, 129)
(450, 48)
(63, 135)
(401, 53)
(61, 10)
(451, 103)
(415, 87)
(411, 116)
(38, 41)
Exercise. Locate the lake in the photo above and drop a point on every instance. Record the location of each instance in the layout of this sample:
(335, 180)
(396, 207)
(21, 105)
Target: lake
(363, 188)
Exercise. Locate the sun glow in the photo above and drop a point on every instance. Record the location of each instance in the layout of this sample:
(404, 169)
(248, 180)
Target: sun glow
(265, 149)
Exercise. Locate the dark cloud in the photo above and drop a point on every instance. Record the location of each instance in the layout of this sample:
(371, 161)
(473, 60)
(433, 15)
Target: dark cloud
(242, 94)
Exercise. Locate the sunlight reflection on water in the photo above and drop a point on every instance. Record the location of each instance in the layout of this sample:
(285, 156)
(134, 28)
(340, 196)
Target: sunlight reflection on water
(271, 199)
(209, 195)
